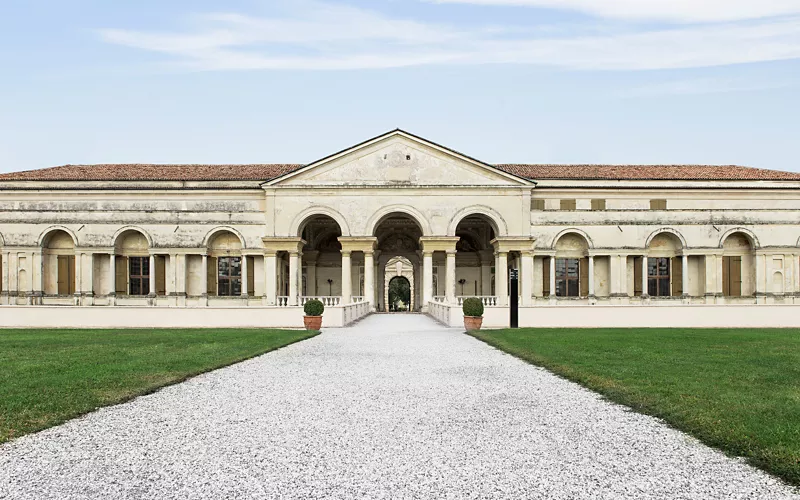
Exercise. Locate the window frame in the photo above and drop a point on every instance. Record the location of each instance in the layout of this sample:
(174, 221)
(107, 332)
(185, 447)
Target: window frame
(658, 204)
(231, 279)
(142, 280)
(571, 204)
(598, 204)
(656, 280)
(564, 280)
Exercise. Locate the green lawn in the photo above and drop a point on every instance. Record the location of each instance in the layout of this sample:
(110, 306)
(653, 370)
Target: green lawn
(735, 389)
(49, 376)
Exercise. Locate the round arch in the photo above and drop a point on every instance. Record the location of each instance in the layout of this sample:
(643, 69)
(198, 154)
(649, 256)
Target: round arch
(495, 219)
(137, 229)
(748, 233)
(663, 230)
(579, 232)
(412, 212)
(46, 232)
(219, 229)
(305, 215)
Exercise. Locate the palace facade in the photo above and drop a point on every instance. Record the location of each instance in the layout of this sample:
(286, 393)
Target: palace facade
(268, 237)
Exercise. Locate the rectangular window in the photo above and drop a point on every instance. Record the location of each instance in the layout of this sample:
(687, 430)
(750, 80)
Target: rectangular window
(568, 204)
(658, 277)
(537, 204)
(229, 276)
(567, 277)
(658, 204)
(139, 275)
(598, 204)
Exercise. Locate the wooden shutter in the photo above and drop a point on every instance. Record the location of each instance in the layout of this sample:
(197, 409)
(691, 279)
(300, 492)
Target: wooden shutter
(161, 275)
(212, 270)
(637, 276)
(63, 274)
(733, 268)
(676, 268)
(251, 276)
(726, 276)
(121, 275)
(546, 276)
(568, 204)
(583, 273)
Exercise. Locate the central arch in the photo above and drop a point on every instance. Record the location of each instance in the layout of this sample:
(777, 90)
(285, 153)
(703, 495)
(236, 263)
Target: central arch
(398, 248)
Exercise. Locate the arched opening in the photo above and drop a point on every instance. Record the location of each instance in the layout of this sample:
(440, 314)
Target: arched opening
(475, 264)
(738, 264)
(225, 267)
(321, 268)
(570, 267)
(398, 236)
(665, 274)
(58, 254)
(132, 265)
(399, 295)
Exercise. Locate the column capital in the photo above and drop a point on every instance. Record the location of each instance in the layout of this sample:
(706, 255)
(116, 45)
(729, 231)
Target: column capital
(438, 243)
(358, 243)
(283, 244)
(513, 243)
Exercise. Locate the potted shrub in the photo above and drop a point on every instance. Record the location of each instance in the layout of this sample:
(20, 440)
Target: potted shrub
(473, 313)
(313, 318)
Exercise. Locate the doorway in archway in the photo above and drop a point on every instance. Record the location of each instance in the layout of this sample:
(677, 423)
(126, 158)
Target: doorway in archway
(399, 295)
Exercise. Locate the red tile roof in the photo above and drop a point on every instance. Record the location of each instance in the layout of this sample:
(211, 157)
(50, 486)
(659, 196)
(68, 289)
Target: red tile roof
(265, 172)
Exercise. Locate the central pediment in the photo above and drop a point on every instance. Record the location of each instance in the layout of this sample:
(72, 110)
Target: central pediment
(399, 159)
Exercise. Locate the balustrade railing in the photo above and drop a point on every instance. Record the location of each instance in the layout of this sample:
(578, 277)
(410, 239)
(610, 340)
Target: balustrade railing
(440, 298)
(356, 299)
(488, 300)
(282, 301)
(327, 300)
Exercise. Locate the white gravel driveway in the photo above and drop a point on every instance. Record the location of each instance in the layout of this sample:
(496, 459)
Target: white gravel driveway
(395, 407)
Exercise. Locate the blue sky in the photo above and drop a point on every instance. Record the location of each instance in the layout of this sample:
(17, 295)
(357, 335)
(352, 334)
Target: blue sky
(526, 81)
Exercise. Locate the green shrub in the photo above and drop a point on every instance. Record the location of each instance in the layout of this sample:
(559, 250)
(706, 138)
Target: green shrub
(472, 306)
(314, 308)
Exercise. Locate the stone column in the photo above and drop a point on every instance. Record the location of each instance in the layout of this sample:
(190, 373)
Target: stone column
(644, 276)
(501, 278)
(450, 276)
(591, 276)
(615, 276)
(347, 278)
(553, 278)
(761, 275)
(6, 280)
(369, 278)
(526, 277)
(294, 262)
(685, 275)
(78, 277)
(244, 275)
(152, 276)
(204, 277)
(718, 282)
(711, 271)
(487, 260)
(271, 278)
(112, 278)
(427, 279)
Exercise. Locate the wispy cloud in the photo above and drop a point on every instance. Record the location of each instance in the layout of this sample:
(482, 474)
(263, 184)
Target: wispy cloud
(705, 86)
(331, 37)
(660, 10)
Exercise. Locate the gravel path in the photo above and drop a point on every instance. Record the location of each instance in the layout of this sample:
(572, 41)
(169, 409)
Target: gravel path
(395, 407)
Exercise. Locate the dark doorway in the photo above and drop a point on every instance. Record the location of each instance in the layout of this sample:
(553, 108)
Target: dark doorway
(399, 294)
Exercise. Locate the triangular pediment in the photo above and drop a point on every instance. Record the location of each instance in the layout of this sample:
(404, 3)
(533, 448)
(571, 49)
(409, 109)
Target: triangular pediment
(398, 158)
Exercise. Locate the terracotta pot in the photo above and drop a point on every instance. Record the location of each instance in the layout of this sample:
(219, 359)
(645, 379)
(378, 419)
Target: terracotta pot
(312, 322)
(473, 322)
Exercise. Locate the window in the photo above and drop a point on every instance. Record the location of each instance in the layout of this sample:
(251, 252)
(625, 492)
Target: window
(568, 204)
(567, 277)
(658, 204)
(139, 275)
(658, 277)
(229, 276)
(598, 204)
(537, 204)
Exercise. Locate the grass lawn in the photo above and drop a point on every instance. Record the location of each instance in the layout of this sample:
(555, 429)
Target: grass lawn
(735, 389)
(49, 376)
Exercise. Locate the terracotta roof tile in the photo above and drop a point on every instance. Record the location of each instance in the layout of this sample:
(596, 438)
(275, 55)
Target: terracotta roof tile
(648, 172)
(265, 172)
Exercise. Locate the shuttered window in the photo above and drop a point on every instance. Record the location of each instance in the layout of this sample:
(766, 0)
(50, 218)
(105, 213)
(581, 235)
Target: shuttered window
(545, 277)
(567, 277)
(161, 275)
(537, 204)
(568, 204)
(658, 204)
(251, 277)
(678, 287)
(658, 277)
(229, 276)
(139, 275)
(732, 276)
(598, 204)
(66, 274)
